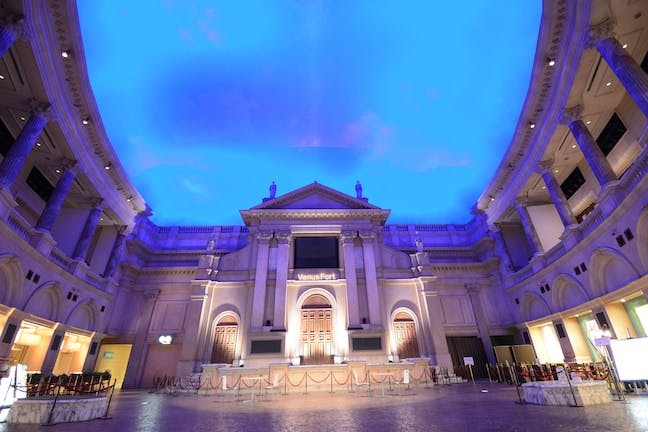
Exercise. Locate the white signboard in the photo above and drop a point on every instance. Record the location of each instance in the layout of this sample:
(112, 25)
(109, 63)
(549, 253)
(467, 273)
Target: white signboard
(469, 361)
(630, 357)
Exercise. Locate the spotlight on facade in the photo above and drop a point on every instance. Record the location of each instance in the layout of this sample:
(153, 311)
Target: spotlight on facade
(65, 53)
(165, 339)
(108, 166)
(551, 62)
(491, 197)
(532, 125)
(85, 121)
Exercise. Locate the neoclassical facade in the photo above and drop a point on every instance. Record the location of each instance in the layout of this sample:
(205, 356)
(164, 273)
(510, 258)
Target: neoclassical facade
(557, 249)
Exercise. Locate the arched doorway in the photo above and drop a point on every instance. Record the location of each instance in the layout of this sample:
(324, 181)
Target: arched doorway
(225, 334)
(317, 330)
(405, 331)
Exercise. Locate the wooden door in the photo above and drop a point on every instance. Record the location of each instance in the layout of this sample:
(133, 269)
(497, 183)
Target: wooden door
(224, 343)
(406, 342)
(317, 335)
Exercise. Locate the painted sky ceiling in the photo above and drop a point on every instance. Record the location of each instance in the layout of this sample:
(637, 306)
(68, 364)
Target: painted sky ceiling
(207, 103)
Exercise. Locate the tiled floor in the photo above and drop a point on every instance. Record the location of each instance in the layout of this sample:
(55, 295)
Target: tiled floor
(462, 407)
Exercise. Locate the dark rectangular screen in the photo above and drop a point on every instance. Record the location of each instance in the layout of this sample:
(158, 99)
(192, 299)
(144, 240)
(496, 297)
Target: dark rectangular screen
(265, 346)
(367, 344)
(316, 252)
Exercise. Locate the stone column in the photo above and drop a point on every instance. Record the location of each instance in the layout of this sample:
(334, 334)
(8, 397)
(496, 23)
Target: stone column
(481, 320)
(116, 253)
(281, 279)
(565, 343)
(190, 336)
(52, 354)
(500, 248)
(348, 249)
(593, 155)
(137, 358)
(527, 225)
(629, 72)
(19, 151)
(54, 204)
(371, 280)
(557, 196)
(11, 27)
(260, 280)
(15, 318)
(88, 231)
(441, 352)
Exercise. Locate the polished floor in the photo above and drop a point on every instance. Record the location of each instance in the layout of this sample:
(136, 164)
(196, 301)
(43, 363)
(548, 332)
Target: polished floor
(460, 407)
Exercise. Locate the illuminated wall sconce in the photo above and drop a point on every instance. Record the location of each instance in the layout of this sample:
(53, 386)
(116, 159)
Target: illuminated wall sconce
(165, 339)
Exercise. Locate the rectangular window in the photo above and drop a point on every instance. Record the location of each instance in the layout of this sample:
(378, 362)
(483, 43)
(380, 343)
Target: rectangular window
(611, 134)
(6, 139)
(316, 252)
(572, 183)
(39, 184)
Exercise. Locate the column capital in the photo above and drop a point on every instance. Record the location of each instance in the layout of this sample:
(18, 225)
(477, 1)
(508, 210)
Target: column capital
(473, 288)
(600, 31)
(571, 114)
(348, 236)
(151, 294)
(41, 109)
(97, 203)
(367, 234)
(545, 165)
(15, 23)
(263, 236)
(521, 202)
(283, 236)
(69, 165)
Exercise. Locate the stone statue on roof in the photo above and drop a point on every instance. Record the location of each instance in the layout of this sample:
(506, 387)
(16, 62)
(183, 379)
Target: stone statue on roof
(273, 190)
(358, 188)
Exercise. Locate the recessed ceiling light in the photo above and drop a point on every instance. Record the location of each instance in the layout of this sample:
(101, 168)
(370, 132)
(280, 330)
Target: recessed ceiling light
(1, 77)
(551, 62)
(85, 121)
(625, 45)
(608, 84)
(129, 199)
(57, 171)
(588, 122)
(556, 171)
(544, 187)
(622, 300)
(492, 198)
(573, 145)
(532, 125)
(65, 53)
(107, 166)
(22, 118)
(38, 144)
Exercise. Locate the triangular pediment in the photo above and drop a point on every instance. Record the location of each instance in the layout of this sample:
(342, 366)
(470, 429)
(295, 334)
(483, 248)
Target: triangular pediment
(315, 196)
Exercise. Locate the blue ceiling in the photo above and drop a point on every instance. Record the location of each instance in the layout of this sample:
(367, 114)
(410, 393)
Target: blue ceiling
(207, 103)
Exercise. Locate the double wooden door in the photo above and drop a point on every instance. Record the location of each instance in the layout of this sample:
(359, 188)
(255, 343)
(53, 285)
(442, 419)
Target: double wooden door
(406, 341)
(317, 335)
(224, 343)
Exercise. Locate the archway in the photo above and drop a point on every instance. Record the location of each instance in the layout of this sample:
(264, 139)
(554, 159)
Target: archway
(405, 335)
(316, 330)
(225, 335)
